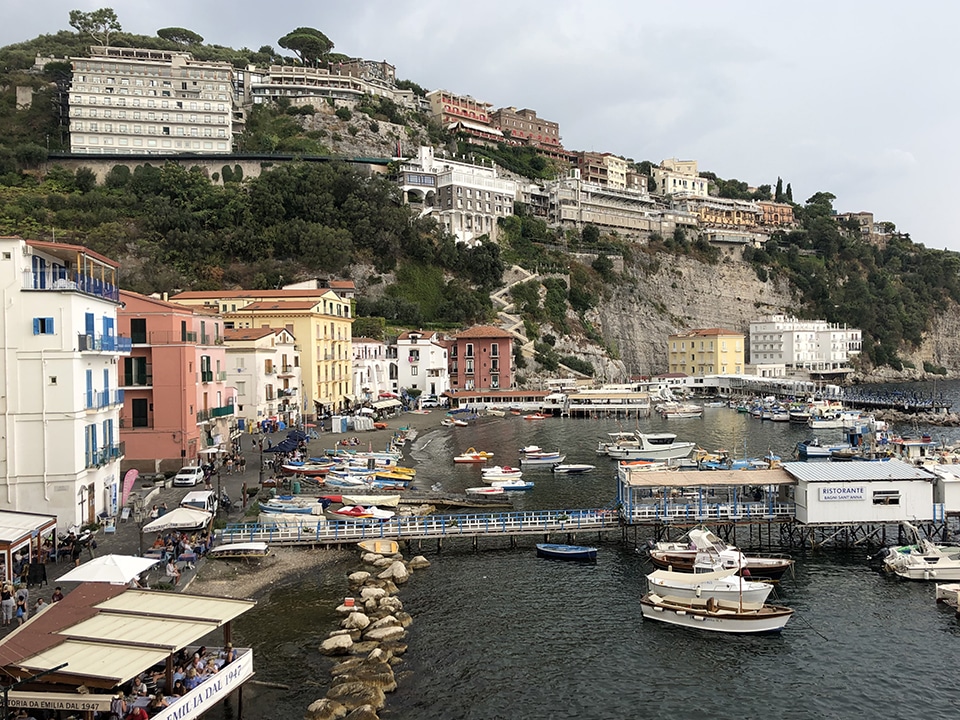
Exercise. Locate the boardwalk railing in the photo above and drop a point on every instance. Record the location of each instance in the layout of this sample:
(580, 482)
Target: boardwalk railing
(321, 530)
(676, 512)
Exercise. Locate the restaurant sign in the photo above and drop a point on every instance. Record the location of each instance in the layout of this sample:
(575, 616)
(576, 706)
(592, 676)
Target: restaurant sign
(70, 702)
(211, 691)
(842, 492)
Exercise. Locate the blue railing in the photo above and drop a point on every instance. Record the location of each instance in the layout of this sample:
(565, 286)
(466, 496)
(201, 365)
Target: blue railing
(62, 279)
(104, 343)
(97, 400)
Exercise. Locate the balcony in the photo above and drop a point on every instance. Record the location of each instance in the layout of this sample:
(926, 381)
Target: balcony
(270, 370)
(220, 375)
(166, 337)
(99, 400)
(106, 454)
(137, 380)
(104, 343)
(205, 339)
(206, 376)
(217, 412)
(63, 280)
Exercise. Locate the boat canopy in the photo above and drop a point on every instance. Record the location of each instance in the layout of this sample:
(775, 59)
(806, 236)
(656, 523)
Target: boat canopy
(687, 578)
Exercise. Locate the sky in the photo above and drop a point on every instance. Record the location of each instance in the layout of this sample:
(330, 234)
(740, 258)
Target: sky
(851, 98)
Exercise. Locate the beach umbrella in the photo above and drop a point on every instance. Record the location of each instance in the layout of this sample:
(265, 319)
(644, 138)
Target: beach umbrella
(180, 518)
(113, 569)
(296, 435)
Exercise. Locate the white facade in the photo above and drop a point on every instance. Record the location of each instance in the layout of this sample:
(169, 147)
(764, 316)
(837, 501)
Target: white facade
(60, 450)
(149, 102)
(466, 199)
(371, 369)
(675, 177)
(263, 364)
(571, 200)
(616, 171)
(802, 344)
(422, 363)
(888, 492)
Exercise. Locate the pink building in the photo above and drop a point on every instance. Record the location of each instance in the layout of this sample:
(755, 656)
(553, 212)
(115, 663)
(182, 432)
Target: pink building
(177, 403)
(480, 358)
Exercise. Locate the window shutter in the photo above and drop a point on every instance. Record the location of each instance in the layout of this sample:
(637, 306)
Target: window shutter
(36, 326)
(49, 326)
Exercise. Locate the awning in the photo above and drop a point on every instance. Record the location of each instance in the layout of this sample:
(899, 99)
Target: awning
(385, 404)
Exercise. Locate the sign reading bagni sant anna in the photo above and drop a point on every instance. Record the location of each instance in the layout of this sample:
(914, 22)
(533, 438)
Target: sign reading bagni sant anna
(842, 492)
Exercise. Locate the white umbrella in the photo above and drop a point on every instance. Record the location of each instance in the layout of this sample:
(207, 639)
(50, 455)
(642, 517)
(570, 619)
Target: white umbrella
(113, 569)
(180, 518)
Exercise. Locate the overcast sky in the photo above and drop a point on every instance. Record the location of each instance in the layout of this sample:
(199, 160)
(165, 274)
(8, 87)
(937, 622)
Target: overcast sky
(853, 98)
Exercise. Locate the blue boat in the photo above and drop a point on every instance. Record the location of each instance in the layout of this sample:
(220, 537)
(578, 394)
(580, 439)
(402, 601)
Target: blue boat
(554, 551)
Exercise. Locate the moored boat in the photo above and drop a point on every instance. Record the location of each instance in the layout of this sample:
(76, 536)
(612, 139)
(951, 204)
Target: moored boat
(501, 472)
(512, 484)
(485, 490)
(242, 550)
(705, 548)
(381, 547)
(473, 456)
(715, 615)
(543, 458)
(720, 584)
(556, 551)
(648, 446)
(572, 468)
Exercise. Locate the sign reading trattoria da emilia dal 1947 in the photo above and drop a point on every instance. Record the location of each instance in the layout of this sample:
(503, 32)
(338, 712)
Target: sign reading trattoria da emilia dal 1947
(842, 492)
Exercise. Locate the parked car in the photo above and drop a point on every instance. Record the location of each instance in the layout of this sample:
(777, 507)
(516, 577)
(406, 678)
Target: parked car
(429, 401)
(188, 476)
(205, 500)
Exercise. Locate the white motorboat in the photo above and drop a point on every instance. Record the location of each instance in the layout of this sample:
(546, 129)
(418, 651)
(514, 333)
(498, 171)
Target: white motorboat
(707, 550)
(650, 446)
(679, 410)
(572, 468)
(715, 615)
(720, 584)
(531, 449)
(500, 472)
(542, 458)
(513, 484)
(486, 490)
(924, 560)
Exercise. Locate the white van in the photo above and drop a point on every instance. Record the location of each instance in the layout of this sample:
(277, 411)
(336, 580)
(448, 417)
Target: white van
(201, 500)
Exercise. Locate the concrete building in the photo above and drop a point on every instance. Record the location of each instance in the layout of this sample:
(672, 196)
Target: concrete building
(617, 169)
(150, 102)
(862, 220)
(466, 199)
(321, 322)
(810, 345)
(776, 214)
(263, 364)
(311, 86)
(572, 201)
(178, 402)
(710, 351)
(525, 126)
(60, 449)
(374, 370)
(481, 358)
(422, 362)
(679, 176)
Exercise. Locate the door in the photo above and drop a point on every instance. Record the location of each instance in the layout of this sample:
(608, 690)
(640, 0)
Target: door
(91, 504)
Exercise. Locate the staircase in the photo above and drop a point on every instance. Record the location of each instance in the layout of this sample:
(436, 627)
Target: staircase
(509, 321)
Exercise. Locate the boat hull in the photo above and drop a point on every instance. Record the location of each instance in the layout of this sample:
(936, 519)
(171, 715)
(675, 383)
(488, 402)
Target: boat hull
(576, 469)
(728, 591)
(580, 553)
(766, 620)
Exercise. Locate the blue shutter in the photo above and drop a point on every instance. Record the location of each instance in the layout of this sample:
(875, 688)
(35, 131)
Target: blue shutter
(89, 388)
(36, 326)
(49, 322)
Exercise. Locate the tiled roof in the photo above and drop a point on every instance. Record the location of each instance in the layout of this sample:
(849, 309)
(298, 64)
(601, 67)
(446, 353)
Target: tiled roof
(483, 331)
(241, 294)
(247, 333)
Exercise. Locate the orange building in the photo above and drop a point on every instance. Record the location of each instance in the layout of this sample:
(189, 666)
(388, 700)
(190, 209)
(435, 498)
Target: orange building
(480, 358)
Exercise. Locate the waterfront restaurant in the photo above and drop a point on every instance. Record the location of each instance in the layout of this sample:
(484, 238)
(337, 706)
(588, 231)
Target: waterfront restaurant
(77, 654)
(891, 491)
(24, 533)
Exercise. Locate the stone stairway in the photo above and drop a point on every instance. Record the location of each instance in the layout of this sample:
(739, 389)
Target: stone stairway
(509, 321)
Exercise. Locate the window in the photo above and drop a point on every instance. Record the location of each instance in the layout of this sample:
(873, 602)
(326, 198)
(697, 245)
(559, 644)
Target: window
(139, 411)
(886, 497)
(43, 326)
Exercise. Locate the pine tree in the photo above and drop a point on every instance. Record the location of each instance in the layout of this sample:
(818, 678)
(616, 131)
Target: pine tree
(778, 195)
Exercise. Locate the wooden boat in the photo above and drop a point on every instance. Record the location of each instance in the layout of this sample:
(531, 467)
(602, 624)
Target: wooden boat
(572, 468)
(244, 550)
(715, 615)
(496, 412)
(473, 456)
(535, 416)
(555, 551)
(486, 490)
(307, 469)
(380, 547)
(454, 422)
(512, 484)
(721, 584)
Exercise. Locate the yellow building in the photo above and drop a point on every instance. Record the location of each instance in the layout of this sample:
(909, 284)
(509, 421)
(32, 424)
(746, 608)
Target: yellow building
(320, 320)
(711, 351)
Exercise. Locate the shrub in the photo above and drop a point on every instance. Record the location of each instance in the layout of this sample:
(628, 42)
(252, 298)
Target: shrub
(344, 114)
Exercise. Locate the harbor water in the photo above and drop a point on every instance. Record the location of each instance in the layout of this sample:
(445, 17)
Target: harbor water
(500, 633)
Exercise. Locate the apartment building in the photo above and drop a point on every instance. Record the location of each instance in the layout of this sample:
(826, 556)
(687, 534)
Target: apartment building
(707, 351)
(776, 214)
(263, 364)
(178, 402)
(422, 362)
(374, 369)
(464, 114)
(574, 202)
(321, 322)
(466, 199)
(60, 449)
(525, 126)
(481, 358)
(679, 176)
(149, 102)
(808, 345)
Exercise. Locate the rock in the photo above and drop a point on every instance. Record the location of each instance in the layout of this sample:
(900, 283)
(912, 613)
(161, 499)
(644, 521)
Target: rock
(379, 674)
(371, 606)
(358, 578)
(384, 562)
(405, 619)
(419, 563)
(336, 645)
(385, 621)
(374, 593)
(397, 572)
(353, 695)
(390, 587)
(355, 621)
(364, 712)
(345, 666)
(370, 557)
(390, 603)
(388, 632)
(378, 655)
(396, 648)
(325, 709)
(364, 647)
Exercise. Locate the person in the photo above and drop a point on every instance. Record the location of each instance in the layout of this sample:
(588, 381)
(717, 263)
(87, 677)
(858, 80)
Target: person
(40, 605)
(118, 706)
(192, 679)
(139, 687)
(178, 689)
(138, 713)
(154, 512)
(157, 703)
(229, 654)
(75, 549)
(7, 604)
(23, 610)
(57, 594)
(173, 572)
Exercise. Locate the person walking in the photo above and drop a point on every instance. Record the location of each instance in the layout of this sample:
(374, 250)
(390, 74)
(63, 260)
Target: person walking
(7, 604)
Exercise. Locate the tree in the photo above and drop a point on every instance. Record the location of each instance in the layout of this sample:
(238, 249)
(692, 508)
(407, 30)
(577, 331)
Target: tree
(310, 45)
(180, 35)
(778, 195)
(98, 24)
(789, 193)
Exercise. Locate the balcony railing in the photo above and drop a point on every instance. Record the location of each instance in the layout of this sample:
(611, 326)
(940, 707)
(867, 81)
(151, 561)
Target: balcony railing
(106, 454)
(221, 375)
(94, 400)
(63, 280)
(205, 339)
(103, 343)
(166, 337)
(138, 380)
(206, 376)
(216, 412)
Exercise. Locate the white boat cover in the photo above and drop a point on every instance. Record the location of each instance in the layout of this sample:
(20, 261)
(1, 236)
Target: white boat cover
(682, 578)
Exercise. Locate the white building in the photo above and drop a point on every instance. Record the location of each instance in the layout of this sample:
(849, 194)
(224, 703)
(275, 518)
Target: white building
(466, 199)
(813, 345)
(149, 102)
(422, 363)
(60, 451)
(574, 201)
(264, 366)
(675, 177)
(861, 492)
(371, 369)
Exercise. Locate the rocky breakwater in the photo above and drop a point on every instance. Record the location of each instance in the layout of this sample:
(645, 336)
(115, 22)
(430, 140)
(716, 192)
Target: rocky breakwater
(370, 641)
